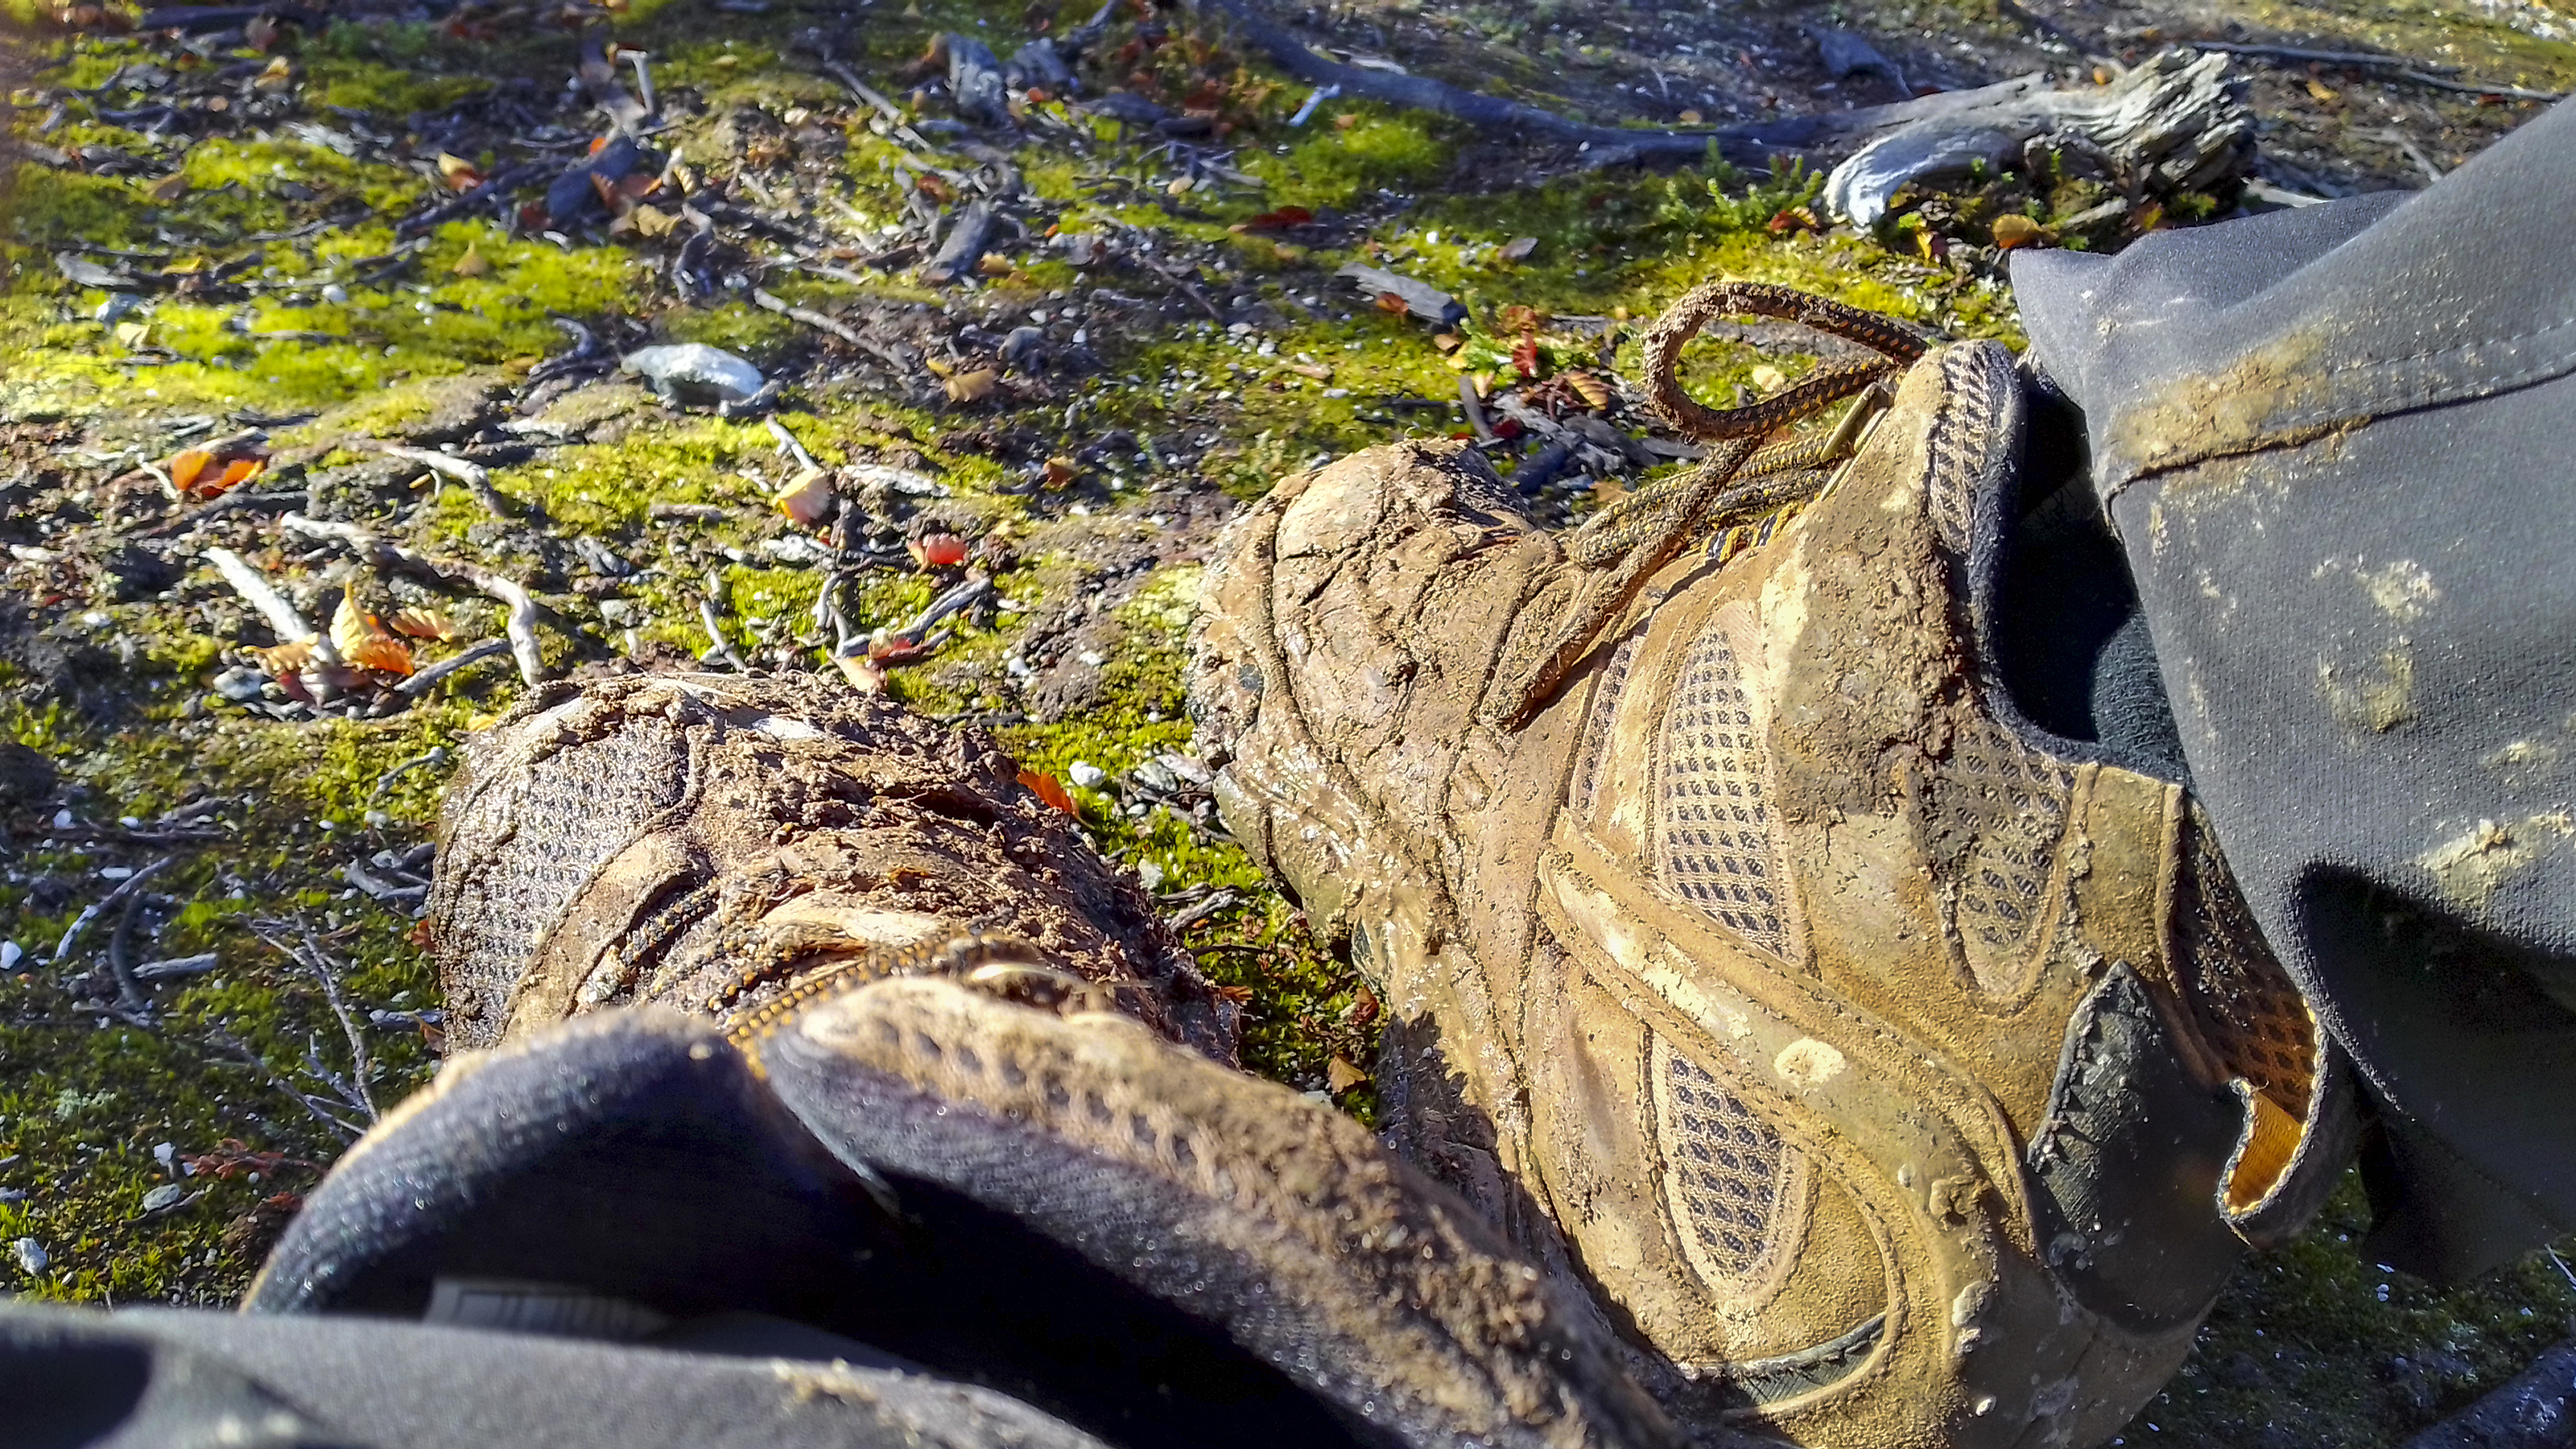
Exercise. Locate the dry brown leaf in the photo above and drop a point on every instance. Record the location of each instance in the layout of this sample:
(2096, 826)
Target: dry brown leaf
(805, 500)
(1060, 471)
(864, 674)
(1340, 1076)
(472, 264)
(423, 624)
(2012, 229)
(362, 640)
(277, 77)
(1593, 391)
(459, 173)
(187, 466)
(974, 386)
(993, 265)
(1316, 370)
(653, 221)
(235, 474)
(286, 658)
(170, 188)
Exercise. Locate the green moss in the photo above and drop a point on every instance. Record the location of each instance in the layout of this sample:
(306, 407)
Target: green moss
(1329, 165)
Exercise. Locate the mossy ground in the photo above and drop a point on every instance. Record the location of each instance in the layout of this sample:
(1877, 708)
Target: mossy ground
(348, 340)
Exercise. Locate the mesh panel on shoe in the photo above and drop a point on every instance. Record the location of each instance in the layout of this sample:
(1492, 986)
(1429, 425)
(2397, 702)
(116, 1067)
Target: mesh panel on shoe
(1596, 729)
(1727, 1175)
(1713, 843)
(2248, 1009)
(1962, 438)
(538, 834)
(2009, 803)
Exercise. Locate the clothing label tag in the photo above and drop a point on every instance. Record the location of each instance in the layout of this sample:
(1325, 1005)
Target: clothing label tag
(558, 1310)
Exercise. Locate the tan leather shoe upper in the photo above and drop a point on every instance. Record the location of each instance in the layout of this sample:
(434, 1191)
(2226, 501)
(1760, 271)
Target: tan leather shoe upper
(1893, 1074)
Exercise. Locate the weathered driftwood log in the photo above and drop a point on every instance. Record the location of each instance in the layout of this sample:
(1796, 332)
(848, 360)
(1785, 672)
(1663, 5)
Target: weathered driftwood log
(2537, 1410)
(2172, 124)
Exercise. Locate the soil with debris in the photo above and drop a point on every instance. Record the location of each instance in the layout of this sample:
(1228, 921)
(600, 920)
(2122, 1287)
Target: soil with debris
(365, 373)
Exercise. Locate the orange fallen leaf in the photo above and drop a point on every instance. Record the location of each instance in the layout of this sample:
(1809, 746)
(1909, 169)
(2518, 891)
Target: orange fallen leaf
(459, 173)
(1391, 302)
(936, 189)
(362, 640)
(936, 550)
(1046, 787)
(423, 624)
(864, 674)
(1593, 391)
(279, 660)
(974, 386)
(2012, 229)
(1060, 471)
(187, 466)
(235, 474)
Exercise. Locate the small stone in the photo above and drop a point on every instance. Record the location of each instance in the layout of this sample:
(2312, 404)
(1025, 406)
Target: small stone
(694, 372)
(165, 1196)
(11, 953)
(1088, 775)
(165, 1153)
(1150, 874)
(240, 684)
(32, 1257)
(335, 294)
(62, 820)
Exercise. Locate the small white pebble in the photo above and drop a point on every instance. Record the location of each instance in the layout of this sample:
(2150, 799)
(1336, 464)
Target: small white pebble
(115, 872)
(11, 953)
(32, 1257)
(167, 1195)
(62, 820)
(130, 822)
(1088, 775)
(165, 1153)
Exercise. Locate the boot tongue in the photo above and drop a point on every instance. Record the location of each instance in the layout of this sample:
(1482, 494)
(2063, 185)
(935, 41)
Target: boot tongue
(2054, 610)
(1272, 1241)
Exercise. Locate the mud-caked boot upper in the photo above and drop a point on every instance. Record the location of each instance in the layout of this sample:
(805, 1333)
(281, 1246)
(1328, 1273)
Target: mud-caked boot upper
(1893, 1072)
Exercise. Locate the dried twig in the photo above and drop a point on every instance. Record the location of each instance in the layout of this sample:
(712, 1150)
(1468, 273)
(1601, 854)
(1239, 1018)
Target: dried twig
(120, 961)
(284, 619)
(320, 1110)
(2422, 73)
(824, 323)
(421, 682)
(356, 1090)
(124, 888)
(476, 478)
(522, 626)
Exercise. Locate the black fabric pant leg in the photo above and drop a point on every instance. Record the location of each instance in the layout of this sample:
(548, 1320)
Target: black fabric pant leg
(2339, 447)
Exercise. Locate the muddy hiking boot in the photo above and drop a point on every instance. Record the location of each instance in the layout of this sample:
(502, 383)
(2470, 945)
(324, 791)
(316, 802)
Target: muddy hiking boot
(1892, 1070)
(914, 1101)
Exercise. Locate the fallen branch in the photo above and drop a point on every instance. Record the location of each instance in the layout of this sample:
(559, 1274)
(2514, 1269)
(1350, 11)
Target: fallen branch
(964, 246)
(2170, 124)
(234, 501)
(522, 624)
(507, 179)
(476, 478)
(821, 322)
(2529, 1412)
(2422, 73)
(124, 888)
(284, 619)
(421, 682)
(356, 1090)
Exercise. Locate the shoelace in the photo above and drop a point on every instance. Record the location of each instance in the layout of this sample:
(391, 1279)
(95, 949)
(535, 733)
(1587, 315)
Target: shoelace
(1739, 481)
